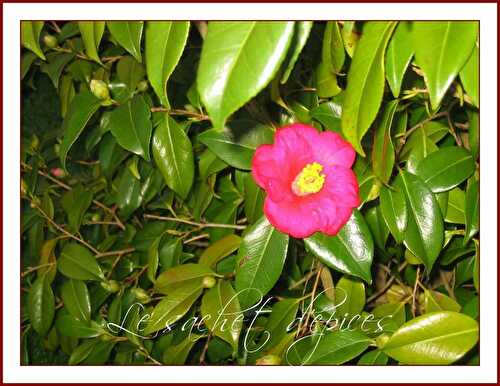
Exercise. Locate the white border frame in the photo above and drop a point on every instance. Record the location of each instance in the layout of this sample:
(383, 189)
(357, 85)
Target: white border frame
(13, 13)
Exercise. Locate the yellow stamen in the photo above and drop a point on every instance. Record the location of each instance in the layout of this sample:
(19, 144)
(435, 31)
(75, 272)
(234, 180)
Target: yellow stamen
(309, 180)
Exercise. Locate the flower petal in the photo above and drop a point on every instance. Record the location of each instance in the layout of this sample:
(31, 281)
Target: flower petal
(341, 186)
(333, 150)
(291, 218)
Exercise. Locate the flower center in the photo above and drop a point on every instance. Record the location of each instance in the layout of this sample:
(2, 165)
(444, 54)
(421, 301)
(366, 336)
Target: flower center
(309, 180)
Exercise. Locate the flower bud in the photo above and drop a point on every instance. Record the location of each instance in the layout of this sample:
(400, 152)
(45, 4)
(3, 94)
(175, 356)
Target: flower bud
(143, 85)
(58, 172)
(268, 360)
(96, 217)
(35, 202)
(35, 142)
(209, 281)
(110, 286)
(99, 89)
(141, 295)
(24, 187)
(50, 41)
(57, 147)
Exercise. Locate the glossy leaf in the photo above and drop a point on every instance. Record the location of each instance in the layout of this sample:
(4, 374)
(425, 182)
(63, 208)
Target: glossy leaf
(219, 250)
(30, 35)
(335, 348)
(165, 41)
(469, 75)
(75, 203)
(375, 357)
(440, 55)
(131, 126)
(365, 82)
(425, 231)
(349, 296)
(82, 108)
(383, 150)
(302, 31)
(173, 154)
(224, 80)
(455, 212)
(174, 277)
(77, 262)
(177, 355)
(436, 301)
(222, 300)
(399, 53)
(446, 168)
(128, 34)
(436, 338)
(68, 325)
(54, 66)
(130, 72)
(350, 251)
(471, 209)
(394, 211)
(260, 261)
(237, 145)
(174, 306)
(76, 299)
(41, 305)
(92, 32)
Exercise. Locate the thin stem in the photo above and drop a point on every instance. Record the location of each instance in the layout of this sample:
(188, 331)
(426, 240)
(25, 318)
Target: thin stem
(62, 230)
(33, 269)
(197, 224)
(383, 290)
(67, 187)
(114, 253)
(195, 238)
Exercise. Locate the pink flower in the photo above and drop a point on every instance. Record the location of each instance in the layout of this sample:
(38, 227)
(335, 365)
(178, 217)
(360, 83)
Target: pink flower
(308, 179)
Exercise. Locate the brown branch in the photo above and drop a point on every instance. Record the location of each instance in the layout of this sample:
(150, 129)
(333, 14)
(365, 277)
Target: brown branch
(114, 253)
(201, 225)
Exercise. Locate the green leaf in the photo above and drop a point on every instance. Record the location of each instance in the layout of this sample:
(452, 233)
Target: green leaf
(82, 351)
(350, 251)
(92, 32)
(446, 168)
(27, 59)
(30, 36)
(455, 213)
(165, 41)
(66, 93)
(55, 66)
(222, 300)
(328, 114)
(177, 355)
(365, 82)
(77, 262)
(282, 314)
(436, 338)
(440, 54)
(383, 150)
(128, 34)
(436, 301)
(473, 132)
(394, 211)
(377, 225)
(335, 348)
(254, 200)
(302, 31)
(349, 296)
(399, 53)
(230, 73)
(471, 209)
(68, 325)
(469, 75)
(76, 299)
(236, 145)
(173, 154)
(219, 250)
(41, 305)
(260, 261)
(131, 126)
(174, 306)
(128, 196)
(174, 277)
(375, 357)
(425, 230)
(82, 108)
(75, 203)
(333, 53)
(130, 72)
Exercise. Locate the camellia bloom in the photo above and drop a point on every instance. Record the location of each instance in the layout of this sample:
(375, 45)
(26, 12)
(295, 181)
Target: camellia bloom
(308, 179)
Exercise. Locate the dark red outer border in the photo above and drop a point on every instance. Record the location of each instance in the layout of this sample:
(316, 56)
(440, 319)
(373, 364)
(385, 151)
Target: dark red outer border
(223, 2)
